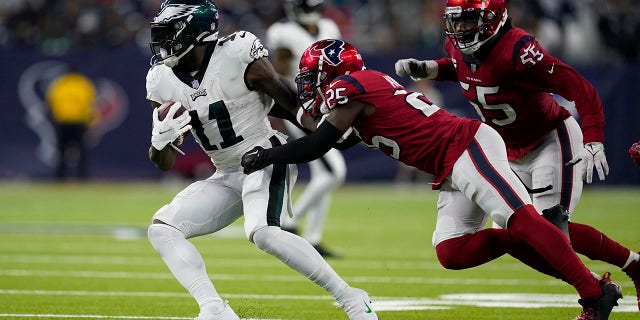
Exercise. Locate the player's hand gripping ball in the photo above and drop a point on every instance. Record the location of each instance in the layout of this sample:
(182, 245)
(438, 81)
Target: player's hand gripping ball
(170, 122)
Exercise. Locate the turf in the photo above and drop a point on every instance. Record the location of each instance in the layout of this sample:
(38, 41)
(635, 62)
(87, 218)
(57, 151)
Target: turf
(79, 251)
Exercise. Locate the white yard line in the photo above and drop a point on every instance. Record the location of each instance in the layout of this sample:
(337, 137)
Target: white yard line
(293, 278)
(448, 301)
(48, 259)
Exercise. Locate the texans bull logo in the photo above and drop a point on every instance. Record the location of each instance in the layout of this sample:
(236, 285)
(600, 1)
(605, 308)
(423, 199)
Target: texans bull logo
(330, 51)
(112, 107)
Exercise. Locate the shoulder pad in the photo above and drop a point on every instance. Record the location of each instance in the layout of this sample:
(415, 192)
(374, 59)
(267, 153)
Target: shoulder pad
(158, 88)
(245, 45)
(527, 52)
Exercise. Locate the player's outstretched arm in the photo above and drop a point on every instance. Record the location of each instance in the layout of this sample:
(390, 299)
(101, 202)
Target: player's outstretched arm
(309, 147)
(417, 69)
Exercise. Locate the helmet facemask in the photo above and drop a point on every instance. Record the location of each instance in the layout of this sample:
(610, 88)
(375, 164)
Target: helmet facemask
(167, 43)
(310, 84)
(468, 30)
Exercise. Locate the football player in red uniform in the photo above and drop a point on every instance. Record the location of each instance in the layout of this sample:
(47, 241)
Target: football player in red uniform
(509, 79)
(467, 158)
(634, 152)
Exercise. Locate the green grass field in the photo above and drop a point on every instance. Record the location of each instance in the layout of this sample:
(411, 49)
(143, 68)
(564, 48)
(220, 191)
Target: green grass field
(80, 252)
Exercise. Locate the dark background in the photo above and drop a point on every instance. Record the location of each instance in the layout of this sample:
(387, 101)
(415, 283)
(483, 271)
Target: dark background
(107, 41)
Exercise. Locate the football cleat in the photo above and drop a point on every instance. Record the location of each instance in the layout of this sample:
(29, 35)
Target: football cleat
(559, 217)
(633, 271)
(226, 314)
(601, 309)
(293, 229)
(357, 304)
(325, 252)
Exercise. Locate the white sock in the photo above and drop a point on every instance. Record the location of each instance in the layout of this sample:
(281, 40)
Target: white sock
(315, 220)
(633, 256)
(184, 261)
(299, 255)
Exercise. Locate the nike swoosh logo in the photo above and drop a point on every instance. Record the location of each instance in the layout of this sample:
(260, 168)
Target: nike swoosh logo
(163, 132)
(252, 153)
(552, 67)
(367, 305)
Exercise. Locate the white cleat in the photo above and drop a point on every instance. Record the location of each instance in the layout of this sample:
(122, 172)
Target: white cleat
(357, 304)
(226, 314)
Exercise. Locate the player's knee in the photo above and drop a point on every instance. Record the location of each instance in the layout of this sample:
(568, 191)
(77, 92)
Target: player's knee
(159, 234)
(449, 256)
(266, 237)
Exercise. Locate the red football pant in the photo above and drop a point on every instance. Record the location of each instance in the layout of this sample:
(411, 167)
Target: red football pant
(531, 239)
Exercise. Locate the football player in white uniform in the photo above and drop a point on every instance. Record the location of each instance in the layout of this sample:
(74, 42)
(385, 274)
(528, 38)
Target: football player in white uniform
(228, 87)
(287, 40)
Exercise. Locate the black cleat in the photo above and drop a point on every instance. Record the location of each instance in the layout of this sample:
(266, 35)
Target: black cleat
(559, 217)
(601, 309)
(324, 252)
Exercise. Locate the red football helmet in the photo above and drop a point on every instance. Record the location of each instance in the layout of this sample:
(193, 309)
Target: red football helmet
(471, 23)
(322, 62)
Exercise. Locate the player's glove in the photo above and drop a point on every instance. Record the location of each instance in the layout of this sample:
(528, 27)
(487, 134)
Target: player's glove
(254, 160)
(169, 129)
(593, 156)
(634, 152)
(417, 69)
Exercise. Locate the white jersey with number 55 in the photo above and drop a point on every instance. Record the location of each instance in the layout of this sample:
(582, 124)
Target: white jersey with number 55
(227, 117)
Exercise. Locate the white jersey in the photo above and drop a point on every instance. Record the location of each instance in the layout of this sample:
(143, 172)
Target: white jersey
(227, 118)
(291, 35)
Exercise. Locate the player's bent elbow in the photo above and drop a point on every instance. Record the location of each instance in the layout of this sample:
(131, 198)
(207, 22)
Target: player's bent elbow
(163, 159)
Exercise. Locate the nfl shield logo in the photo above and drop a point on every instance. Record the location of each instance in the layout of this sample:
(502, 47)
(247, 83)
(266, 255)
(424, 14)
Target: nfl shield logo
(195, 84)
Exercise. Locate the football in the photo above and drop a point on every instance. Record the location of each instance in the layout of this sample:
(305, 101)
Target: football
(163, 110)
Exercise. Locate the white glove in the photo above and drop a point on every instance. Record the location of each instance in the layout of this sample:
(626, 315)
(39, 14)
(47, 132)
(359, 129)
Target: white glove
(593, 156)
(417, 69)
(169, 129)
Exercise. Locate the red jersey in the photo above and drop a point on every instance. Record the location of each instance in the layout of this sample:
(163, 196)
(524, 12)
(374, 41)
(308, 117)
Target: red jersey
(406, 125)
(511, 91)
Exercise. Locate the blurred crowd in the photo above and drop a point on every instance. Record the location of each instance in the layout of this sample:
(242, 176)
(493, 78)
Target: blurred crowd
(576, 30)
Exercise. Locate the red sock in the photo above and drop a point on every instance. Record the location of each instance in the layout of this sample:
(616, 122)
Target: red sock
(527, 226)
(529, 256)
(472, 250)
(596, 245)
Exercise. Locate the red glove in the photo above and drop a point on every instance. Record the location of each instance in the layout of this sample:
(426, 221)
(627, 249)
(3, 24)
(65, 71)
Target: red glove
(634, 152)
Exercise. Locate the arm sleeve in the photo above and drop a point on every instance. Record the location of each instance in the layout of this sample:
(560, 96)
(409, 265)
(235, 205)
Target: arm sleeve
(446, 70)
(305, 149)
(567, 82)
